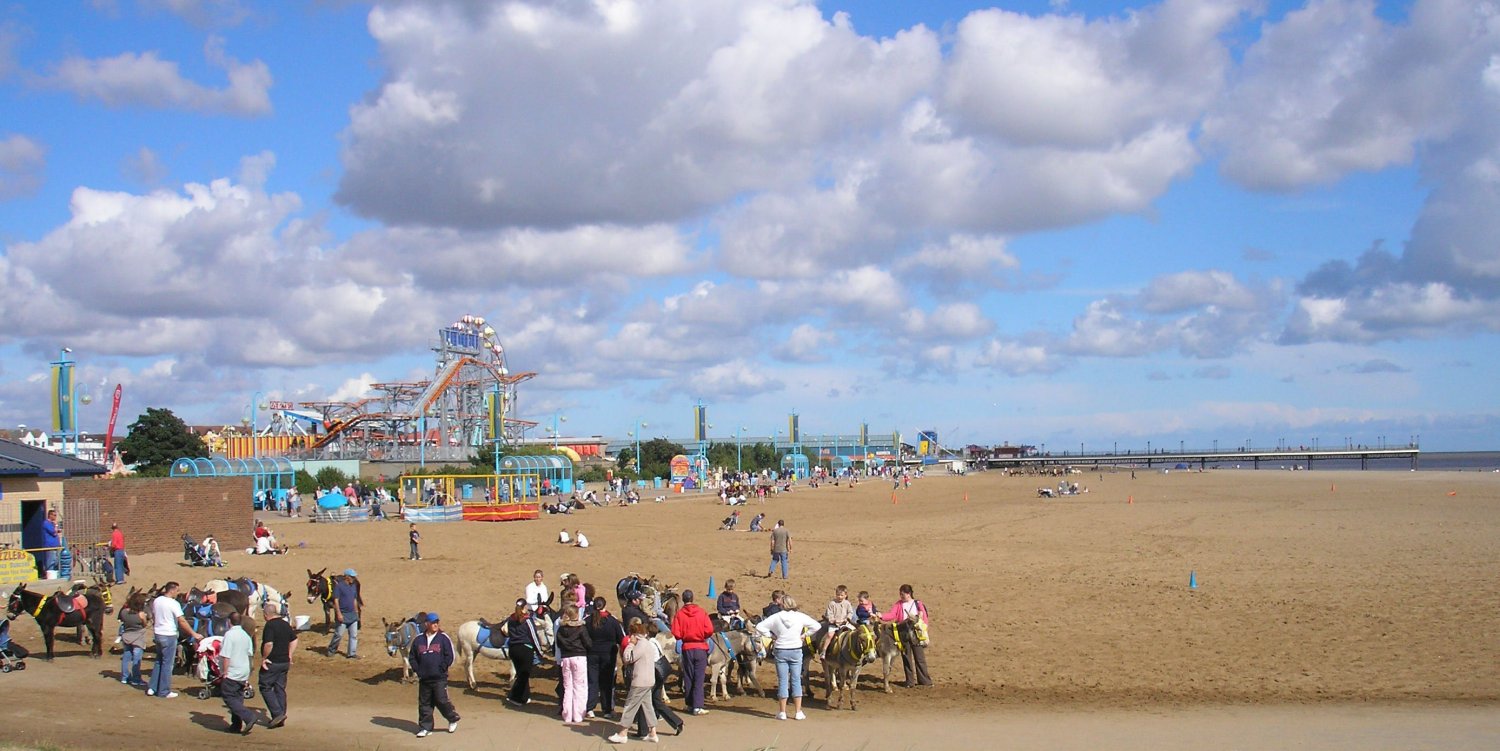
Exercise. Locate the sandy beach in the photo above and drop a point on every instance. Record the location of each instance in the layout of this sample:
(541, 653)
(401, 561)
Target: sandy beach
(1333, 610)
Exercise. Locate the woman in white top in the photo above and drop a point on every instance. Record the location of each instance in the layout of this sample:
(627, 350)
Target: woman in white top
(536, 592)
(787, 629)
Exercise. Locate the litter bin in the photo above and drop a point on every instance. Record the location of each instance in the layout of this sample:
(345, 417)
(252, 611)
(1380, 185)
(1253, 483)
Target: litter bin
(468, 493)
(656, 483)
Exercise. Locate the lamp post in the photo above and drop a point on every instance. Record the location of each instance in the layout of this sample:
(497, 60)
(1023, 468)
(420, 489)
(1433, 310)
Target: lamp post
(557, 417)
(65, 372)
(254, 429)
(739, 464)
(640, 467)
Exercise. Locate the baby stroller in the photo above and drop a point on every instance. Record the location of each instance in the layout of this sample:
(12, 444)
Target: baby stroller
(209, 672)
(12, 656)
(194, 554)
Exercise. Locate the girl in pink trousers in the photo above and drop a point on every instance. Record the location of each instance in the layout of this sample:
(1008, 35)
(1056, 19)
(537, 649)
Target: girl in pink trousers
(573, 645)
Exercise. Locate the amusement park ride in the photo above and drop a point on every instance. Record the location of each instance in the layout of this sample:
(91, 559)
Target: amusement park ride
(449, 417)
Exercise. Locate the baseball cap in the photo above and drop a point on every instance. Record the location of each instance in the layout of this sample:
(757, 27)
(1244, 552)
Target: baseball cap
(349, 572)
(432, 617)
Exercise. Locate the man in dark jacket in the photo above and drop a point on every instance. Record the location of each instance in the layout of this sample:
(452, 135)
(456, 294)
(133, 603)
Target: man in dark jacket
(431, 656)
(635, 610)
(692, 626)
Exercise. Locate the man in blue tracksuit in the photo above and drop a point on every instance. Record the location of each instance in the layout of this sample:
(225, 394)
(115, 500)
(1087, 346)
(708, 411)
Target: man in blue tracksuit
(431, 656)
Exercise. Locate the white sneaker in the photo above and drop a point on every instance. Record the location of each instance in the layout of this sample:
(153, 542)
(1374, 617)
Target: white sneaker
(781, 715)
(618, 738)
(151, 692)
(800, 716)
(453, 726)
(172, 695)
(423, 733)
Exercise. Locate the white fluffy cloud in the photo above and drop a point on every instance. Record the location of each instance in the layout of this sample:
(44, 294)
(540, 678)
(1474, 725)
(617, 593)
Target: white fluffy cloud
(145, 80)
(592, 123)
(1332, 88)
(1062, 80)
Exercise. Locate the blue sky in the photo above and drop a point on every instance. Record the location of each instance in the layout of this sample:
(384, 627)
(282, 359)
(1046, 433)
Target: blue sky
(1071, 223)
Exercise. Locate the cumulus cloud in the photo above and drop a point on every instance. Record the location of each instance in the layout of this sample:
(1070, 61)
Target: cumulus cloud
(145, 80)
(1062, 80)
(591, 123)
(805, 343)
(21, 163)
(735, 380)
(1332, 88)
(1017, 358)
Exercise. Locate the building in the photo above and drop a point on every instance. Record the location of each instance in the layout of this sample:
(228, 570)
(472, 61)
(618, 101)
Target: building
(31, 483)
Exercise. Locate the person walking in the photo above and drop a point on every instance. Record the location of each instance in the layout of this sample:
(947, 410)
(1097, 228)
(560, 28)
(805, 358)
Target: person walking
(133, 639)
(787, 628)
(910, 617)
(692, 627)
(346, 614)
(573, 644)
(117, 552)
(430, 657)
(414, 541)
(605, 635)
(167, 623)
(278, 643)
(235, 655)
(781, 548)
(641, 654)
(521, 644)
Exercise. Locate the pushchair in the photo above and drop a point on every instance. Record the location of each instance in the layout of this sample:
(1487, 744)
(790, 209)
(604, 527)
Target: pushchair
(12, 656)
(210, 673)
(193, 553)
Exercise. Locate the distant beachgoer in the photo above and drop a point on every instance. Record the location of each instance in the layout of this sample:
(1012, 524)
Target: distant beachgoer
(117, 552)
(563, 538)
(781, 548)
(414, 539)
(579, 541)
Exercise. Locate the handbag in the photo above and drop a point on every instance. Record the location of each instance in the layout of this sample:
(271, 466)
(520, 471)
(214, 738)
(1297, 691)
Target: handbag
(663, 666)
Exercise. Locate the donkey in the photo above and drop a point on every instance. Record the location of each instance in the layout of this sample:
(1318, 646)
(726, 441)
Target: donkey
(887, 650)
(62, 610)
(848, 652)
(320, 589)
(738, 647)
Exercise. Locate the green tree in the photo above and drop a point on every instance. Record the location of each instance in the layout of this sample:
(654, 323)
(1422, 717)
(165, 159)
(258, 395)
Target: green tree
(656, 458)
(330, 477)
(157, 439)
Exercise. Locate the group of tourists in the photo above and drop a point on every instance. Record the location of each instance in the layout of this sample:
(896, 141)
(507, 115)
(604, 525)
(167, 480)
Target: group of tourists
(163, 618)
(590, 642)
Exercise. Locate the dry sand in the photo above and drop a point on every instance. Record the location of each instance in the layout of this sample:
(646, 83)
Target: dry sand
(1333, 610)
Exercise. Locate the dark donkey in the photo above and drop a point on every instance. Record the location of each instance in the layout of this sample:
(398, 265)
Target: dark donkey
(60, 610)
(320, 589)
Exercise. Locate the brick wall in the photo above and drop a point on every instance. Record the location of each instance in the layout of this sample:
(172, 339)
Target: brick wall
(154, 513)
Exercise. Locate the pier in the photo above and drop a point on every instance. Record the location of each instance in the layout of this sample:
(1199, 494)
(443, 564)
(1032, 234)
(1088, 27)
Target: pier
(1201, 459)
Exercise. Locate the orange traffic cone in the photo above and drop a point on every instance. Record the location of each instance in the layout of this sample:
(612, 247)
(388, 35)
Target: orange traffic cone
(966, 497)
(893, 499)
(1332, 488)
(1452, 492)
(1130, 501)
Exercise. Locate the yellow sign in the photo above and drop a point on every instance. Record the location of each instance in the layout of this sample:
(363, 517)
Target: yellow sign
(16, 566)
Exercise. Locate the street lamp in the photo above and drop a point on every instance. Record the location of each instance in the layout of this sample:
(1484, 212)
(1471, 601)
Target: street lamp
(739, 465)
(254, 429)
(640, 468)
(557, 417)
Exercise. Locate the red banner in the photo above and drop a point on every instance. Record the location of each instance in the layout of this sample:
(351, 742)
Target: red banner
(109, 435)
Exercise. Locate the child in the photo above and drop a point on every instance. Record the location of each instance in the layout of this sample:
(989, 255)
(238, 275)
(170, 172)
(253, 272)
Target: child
(864, 610)
(415, 538)
(838, 615)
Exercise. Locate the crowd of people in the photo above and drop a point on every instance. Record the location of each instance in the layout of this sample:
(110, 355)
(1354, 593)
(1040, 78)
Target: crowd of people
(591, 643)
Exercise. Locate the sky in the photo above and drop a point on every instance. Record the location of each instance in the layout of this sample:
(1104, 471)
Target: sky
(1089, 225)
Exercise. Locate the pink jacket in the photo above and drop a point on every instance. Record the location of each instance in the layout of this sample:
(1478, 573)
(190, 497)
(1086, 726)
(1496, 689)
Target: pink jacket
(896, 613)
